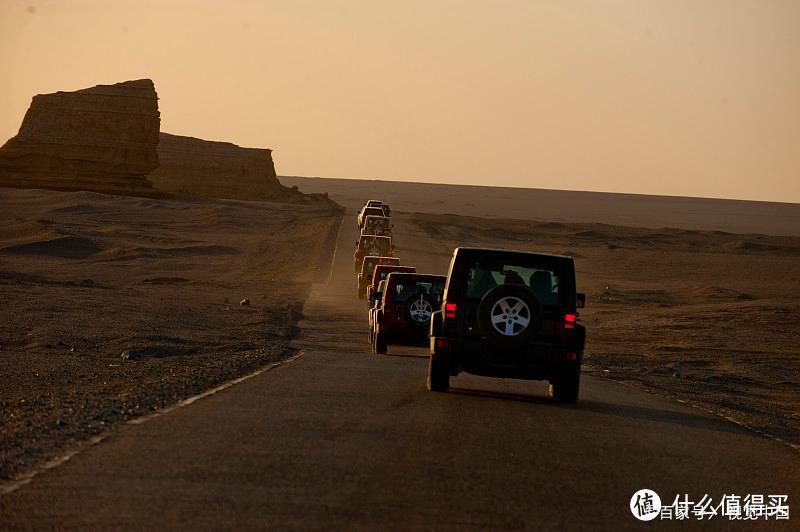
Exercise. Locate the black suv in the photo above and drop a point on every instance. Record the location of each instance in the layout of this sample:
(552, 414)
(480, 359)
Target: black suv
(509, 314)
(403, 315)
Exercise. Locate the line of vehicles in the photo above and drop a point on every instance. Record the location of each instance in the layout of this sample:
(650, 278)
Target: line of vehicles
(497, 313)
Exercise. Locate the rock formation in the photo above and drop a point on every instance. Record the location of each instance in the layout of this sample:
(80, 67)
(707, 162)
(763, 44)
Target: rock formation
(190, 166)
(102, 139)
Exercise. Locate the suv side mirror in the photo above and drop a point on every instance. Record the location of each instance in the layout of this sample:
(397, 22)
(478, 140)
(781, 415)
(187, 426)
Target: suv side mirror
(580, 300)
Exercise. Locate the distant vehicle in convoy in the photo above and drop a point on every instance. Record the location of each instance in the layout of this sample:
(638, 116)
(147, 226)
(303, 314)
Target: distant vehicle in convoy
(377, 225)
(368, 268)
(404, 313)
(381, 272)
(371, 245)
(373, 304)
(379, 203)
(369, 211)
(509, 314)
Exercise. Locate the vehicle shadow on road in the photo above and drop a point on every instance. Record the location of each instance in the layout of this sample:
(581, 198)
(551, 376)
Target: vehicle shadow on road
(677, 417)
(508, 396)
(407, 355)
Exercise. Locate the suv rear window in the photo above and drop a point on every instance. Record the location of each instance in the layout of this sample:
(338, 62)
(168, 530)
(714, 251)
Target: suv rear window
(406, 289)
(375, 246)
(481, 276)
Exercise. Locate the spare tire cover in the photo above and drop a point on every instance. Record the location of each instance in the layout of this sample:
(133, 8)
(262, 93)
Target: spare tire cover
(510, 315)
(420, 309)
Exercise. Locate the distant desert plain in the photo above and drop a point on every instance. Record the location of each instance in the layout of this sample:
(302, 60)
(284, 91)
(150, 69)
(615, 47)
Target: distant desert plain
(128, 287)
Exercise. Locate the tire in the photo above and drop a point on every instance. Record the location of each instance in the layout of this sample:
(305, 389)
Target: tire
(438, 374)
(421, 308)
(565, 387)
(526, 309)
(379, 343)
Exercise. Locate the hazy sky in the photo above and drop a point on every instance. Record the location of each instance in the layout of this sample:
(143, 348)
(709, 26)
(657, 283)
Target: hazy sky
(695, 97)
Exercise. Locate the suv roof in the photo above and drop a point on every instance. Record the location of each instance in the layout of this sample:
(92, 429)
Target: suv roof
(510, 252)
(378, 260)
(402, 275)
(376, 216)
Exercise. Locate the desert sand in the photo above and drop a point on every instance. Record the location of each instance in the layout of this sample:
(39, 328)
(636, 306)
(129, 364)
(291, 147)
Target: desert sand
(86, 276)
(633, 210)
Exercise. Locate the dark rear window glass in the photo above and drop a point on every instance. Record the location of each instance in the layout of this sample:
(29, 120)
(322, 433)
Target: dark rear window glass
(482, 275)
(407, 289)
(375, 246)
(371, 262)
(374, 224)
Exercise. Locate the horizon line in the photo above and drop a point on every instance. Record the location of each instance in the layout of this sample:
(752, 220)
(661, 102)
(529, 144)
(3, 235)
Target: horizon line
(797, 203)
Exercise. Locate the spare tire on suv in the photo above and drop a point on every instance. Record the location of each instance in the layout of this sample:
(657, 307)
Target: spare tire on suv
(510, 315)
(419, 311)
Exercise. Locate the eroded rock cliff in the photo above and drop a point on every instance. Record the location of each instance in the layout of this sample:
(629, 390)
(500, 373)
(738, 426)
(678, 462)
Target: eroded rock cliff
(101, 139)
(191, 166)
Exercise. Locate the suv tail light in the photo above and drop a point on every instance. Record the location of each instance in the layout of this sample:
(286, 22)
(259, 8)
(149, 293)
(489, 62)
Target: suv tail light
(450, 310)
(569, 321)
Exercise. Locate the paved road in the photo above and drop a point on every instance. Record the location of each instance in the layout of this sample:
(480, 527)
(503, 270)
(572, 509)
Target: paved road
(341, 439)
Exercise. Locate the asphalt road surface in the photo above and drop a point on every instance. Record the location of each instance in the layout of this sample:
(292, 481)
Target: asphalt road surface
(342, 439)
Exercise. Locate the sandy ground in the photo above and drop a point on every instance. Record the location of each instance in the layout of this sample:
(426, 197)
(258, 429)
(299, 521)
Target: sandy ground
(563, 206)
(707, 317)
(85, 276)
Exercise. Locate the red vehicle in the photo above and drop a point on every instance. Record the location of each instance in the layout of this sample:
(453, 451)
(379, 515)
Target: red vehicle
(404, 314)
(371, 245)
(381, 272)
(368, 266)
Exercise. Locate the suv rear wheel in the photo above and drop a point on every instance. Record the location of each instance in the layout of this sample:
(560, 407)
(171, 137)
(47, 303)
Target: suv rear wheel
(565, 386)
(379, 343)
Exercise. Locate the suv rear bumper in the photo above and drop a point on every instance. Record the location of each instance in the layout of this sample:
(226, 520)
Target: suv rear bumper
(534, 361)
(403, 334)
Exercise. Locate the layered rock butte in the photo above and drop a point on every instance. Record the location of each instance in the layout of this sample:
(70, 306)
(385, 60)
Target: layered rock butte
(191, 166)
(102, 139)
(107, 139)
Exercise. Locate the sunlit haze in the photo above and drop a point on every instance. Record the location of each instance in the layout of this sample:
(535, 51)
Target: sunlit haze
(694, 98)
